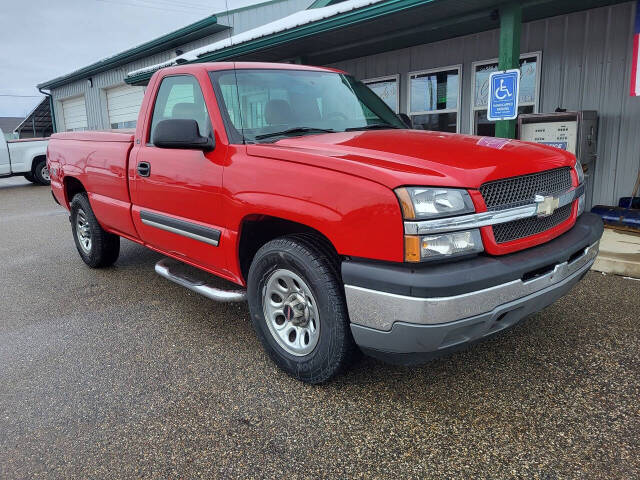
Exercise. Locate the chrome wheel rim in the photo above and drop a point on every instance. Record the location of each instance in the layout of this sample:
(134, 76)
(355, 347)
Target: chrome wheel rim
(83, 232)
(291, 313)
(44, 171)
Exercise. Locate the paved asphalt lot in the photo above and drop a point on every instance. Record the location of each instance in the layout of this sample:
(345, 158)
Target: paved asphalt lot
(122, 374)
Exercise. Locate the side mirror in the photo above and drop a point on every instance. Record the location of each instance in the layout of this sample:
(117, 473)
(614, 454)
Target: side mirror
(406, 119)
(181, 133)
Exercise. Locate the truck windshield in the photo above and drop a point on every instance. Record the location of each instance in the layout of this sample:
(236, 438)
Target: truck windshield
(266, 105)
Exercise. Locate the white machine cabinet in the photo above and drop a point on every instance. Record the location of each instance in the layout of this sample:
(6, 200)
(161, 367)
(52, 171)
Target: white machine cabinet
(576, 132)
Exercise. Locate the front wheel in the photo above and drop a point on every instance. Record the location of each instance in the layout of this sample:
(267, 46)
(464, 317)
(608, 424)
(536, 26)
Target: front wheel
(298, 308)
(29, 176)
(97, 247)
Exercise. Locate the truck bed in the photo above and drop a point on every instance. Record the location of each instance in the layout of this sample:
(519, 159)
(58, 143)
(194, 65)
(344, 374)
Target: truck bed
(99, 160)
(123, 135)
(27, 140)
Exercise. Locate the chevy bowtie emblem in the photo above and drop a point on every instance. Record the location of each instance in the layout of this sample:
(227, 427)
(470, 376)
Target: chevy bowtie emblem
(546, 204)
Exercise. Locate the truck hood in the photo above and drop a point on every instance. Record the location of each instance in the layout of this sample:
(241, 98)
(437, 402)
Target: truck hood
(417, 157)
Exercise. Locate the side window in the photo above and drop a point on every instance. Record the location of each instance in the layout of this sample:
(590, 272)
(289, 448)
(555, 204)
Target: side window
(180, 97)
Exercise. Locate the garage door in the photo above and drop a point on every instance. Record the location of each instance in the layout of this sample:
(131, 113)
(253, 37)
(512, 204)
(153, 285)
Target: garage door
(123, 104)
(74, 112)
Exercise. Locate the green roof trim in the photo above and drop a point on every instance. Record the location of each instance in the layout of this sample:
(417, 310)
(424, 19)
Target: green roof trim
(341, 20)
(200, 29)
(323, 3)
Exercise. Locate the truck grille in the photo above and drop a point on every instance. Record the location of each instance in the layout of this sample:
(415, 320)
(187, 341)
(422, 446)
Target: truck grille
(506, 232)
(515, 191)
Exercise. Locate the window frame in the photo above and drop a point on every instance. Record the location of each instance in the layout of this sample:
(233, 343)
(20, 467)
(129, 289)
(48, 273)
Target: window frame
(456, 110)
(386, 78)
(152, 110)
(234, 135)
(536, 104)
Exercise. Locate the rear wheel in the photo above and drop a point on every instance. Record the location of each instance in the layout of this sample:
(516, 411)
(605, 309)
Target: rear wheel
(97, 247)
(41, 173)
(298, 309)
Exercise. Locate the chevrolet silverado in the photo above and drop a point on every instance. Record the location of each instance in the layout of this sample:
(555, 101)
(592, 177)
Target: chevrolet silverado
(339, 225)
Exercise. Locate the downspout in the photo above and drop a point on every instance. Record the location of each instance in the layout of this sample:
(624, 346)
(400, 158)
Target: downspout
(53, 113)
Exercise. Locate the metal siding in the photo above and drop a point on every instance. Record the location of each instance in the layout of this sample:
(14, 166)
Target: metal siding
(262, 14)
(585, 66)
(95, 97)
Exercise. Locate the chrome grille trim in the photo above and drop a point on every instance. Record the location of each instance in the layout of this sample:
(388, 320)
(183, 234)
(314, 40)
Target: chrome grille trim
(483, 219)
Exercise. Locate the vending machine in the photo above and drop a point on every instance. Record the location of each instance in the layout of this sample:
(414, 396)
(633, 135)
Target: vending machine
(576, 132)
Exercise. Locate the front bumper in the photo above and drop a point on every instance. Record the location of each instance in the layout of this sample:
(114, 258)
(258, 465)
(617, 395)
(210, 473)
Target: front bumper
(406, 314)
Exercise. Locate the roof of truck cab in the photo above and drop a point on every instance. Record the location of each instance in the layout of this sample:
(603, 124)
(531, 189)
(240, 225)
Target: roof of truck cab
(216, 66)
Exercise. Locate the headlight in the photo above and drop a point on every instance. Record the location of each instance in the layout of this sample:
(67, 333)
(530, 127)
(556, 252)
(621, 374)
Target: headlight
(421, 203)
(445, 245)
(579, 172)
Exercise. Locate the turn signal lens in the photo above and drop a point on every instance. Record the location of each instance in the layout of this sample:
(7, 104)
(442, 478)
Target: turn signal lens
(406, 204)
(411, 248)
(445, 245)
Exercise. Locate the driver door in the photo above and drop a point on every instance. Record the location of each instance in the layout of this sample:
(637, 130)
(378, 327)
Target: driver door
(176, 193)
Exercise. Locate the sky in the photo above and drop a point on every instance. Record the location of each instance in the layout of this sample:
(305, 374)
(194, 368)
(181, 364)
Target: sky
(43, 39)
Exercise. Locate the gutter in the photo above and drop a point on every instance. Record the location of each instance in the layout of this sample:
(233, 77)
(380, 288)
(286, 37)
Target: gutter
(51, 109)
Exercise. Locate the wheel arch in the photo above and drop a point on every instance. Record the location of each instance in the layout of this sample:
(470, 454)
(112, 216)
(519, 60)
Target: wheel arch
(258, 229)
(72, 186)
(36, 160)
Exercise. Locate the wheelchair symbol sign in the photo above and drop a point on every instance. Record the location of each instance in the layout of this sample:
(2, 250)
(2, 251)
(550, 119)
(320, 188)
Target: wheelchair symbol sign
(503, 95)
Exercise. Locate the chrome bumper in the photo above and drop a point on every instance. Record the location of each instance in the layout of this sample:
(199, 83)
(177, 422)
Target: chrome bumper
(380, 310)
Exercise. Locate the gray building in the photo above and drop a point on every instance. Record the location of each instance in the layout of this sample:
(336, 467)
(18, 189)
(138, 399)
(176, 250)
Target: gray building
(8, 124)
(97, 97)
(429, 59)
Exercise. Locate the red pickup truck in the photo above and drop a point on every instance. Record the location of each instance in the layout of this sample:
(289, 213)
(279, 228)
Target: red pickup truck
(339, 225)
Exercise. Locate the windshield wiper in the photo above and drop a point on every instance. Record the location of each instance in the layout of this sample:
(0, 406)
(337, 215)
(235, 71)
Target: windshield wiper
(373, 126)
(293, 131)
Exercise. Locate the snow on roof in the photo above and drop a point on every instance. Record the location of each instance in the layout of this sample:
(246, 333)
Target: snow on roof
(297, 19)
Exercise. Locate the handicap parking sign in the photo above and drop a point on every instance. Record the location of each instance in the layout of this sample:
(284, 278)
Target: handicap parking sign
(503, 96)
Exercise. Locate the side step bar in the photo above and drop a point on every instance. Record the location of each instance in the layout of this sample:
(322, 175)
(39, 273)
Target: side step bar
(175, 271)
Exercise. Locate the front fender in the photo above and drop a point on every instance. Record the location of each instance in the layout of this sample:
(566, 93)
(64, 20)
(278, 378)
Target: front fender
(360, 217)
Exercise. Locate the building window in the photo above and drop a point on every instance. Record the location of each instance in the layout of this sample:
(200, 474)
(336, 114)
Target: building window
(387, 89)
(434, 99)
(529, 91)
(129, 124)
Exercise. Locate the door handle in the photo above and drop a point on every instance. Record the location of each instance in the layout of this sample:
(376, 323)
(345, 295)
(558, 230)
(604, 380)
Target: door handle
(144, 169)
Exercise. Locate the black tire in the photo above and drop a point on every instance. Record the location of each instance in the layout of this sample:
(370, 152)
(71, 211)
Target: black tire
(40, 172)
(315, 262)
(29, 176)
(103, 247)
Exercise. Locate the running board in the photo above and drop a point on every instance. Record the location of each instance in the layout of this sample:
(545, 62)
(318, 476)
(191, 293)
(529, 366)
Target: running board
(195, 280)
